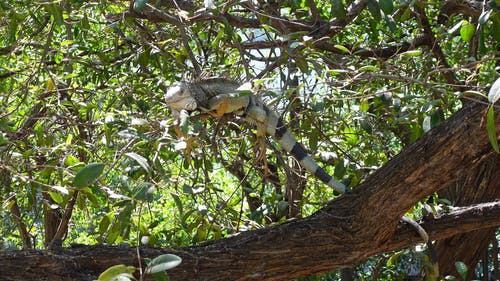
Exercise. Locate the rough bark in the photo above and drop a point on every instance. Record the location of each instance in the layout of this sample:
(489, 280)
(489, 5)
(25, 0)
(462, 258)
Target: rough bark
(481, 184)
(349, 229)
(267, 254)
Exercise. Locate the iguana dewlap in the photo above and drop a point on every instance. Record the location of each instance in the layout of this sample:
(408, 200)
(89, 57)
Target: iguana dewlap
(219, 96)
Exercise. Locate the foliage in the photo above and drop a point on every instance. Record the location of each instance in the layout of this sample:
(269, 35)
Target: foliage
(86, 140)
(156, 267)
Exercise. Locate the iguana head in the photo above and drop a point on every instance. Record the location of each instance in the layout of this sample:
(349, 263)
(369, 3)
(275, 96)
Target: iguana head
(180, 97)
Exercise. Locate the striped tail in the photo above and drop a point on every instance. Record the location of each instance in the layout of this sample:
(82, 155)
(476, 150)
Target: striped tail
(279, 131)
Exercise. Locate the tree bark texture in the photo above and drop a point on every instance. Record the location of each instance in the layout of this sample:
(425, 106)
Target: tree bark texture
(357, 225)
(481, 184)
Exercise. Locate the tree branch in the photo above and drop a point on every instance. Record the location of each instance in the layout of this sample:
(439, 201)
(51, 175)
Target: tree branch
(210, 262)
(349, 229)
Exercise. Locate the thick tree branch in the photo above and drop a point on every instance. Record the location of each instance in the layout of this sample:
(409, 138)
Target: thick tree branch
(90, 261)
(345, 232)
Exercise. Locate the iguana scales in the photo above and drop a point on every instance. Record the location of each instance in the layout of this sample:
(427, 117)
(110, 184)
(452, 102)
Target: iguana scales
(218, 96)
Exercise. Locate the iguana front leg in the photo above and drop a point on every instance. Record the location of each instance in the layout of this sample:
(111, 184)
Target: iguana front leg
(238, 104)
(181, 130)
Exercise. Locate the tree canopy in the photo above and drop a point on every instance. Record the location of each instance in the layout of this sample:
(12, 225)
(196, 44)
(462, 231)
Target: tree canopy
(394, 98)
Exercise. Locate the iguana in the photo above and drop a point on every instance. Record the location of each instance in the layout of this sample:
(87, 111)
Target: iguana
(218, 96)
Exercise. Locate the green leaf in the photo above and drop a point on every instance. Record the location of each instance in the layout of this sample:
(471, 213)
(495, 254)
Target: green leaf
(364, 106)
(117, 273)
(143, 162)
(490, 127)
(144, 192)
(105, 222)
(301, 63)
(483, 18)
(88, 174)
(467, 31)
(294, 35)
(139, 5)
(342, 48)
(57, 197)
(71, 160)
(368, 68)
(386, 6)
(374, 9)
(461, 269)
(56, 12)
(162, 263)
(412, 53)
(177, 202)
(339, 170)
(494, 93)
(338, 9)
(113, 232)
(160, 276)
(496, 27)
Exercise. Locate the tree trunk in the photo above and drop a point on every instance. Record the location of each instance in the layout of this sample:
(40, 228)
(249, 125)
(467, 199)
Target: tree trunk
(349, 229)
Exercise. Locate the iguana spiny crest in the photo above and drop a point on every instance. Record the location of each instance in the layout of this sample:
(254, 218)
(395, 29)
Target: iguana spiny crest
(220, 96)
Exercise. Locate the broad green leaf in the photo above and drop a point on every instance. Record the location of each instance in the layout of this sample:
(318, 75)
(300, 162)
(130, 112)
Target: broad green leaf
(144, 192)
(57, 197)
(342, 48)
(494, 93)
(71, 160)
(105, 222)
(334, 72)
(160, 276)
(50, 85)
(89, 194)
(271, 29)
(140, 160)
(338, 9)
(139, 5)
(364, 105)
(113, 232)
(490, 127)
(88, 174)
(391, 23)
(386, 6)
(178, 203)
(412, 53)
(368, 68)
(162, 263)
(301, 63)
(117, 273)
(461, 269)
(374, 9)
(467, 31)
(294, 35)
(483, 18)
(56, 12)
(209, 4)
(215, 42)
(313, 140)
(339, 170)
(496, 27)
